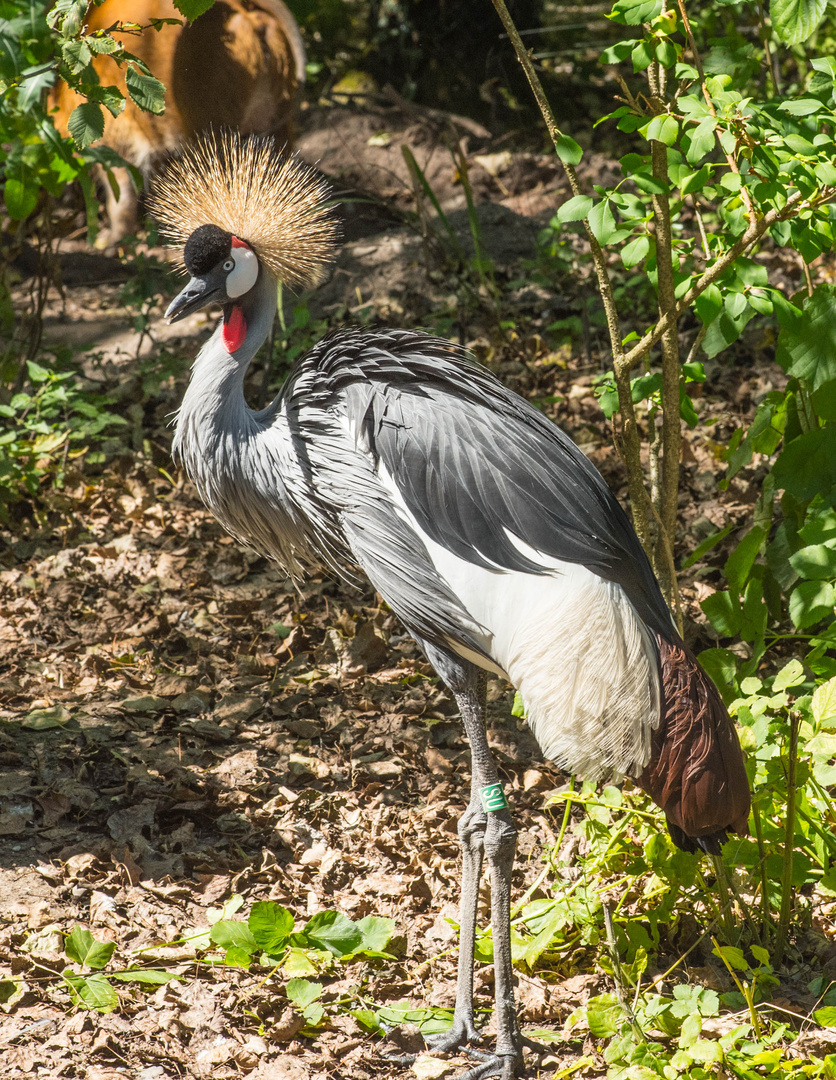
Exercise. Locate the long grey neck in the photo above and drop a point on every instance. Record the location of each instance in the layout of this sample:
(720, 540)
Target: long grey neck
(243, 462)
(214, 406)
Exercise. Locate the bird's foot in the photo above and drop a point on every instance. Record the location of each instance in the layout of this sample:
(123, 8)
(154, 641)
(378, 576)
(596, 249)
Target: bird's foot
(462, 1032)
(503, 1066)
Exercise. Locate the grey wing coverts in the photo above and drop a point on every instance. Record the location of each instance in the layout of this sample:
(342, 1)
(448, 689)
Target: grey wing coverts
(471, 461)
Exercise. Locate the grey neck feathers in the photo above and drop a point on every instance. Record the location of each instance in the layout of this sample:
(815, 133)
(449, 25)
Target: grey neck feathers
(214, 406)
(233, 454)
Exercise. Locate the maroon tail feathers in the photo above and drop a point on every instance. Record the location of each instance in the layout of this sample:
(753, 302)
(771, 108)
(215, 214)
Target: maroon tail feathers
(696, 771)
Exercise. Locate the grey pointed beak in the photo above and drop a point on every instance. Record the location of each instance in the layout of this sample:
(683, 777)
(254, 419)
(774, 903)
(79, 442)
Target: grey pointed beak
(197, 294)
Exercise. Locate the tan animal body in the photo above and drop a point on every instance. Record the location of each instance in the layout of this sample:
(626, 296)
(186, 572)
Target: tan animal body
(240, 65)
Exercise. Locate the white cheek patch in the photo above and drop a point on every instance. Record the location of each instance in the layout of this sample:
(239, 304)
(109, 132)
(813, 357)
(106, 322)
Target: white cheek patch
(244, 274)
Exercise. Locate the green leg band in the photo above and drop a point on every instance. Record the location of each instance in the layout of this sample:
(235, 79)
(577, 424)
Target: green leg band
(493, 798)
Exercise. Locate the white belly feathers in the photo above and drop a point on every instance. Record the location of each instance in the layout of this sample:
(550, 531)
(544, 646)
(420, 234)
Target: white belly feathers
(571, 643)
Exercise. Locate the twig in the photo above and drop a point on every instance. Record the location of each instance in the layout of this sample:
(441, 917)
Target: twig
(808, 279)
(671, 371)
(789, 840)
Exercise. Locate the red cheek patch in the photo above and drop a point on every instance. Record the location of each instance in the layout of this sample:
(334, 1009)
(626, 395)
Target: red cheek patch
(235, 329)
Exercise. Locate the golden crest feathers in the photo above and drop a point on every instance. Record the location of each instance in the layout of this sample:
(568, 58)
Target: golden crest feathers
(249, 188)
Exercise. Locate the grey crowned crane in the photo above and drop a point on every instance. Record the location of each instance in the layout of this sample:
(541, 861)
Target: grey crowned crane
(479, 522)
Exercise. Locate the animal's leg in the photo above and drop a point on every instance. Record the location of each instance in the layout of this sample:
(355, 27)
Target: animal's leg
(472, 826)
(122, 209)
(498, 841)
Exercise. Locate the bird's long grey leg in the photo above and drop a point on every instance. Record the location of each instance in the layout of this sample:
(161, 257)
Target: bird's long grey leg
(472, 825)
(500, 843)
(494, 834)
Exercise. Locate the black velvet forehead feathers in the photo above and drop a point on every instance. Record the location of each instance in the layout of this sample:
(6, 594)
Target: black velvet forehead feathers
(205, 248)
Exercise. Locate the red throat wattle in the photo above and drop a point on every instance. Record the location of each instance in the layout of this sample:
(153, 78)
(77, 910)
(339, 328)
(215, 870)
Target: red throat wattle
(235, 329)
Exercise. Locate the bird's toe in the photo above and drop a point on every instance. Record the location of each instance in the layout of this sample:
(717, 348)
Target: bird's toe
(458, 1037)
(504, 1066)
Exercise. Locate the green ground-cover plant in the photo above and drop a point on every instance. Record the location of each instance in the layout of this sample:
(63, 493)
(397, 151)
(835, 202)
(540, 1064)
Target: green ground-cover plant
(45, 426)
(303, 961)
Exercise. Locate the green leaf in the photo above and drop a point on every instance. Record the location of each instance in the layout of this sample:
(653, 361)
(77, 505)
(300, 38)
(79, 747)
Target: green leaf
(298, 962)
(604, 1016)
(791, 674)
(575, 209)
(302, 992)
(229, 933)
(735, 304)
(664, 129)
(801, 106)
(518, 708)
(367, 1019)
(647, 182)
(709, 304)
(146, 91)
(816, 561)
(701, 141)
(723, 612)
(237, 956)
(795, 20)
(807, 466)
(86, 124)
(21, 190)
(270, 925)
(635, 12)
(823, 703)
(733, 956)
(810, 602)
(602, 222)
(376, 932)
(76, 55)
(761, 955)
(826, 1017)
(799, 145)
(83, 948)
(695, 181)
(333, 931)
(721, 665)
(807, 345)
(314, 1015)
(568, 150)
(92, 992)
(739, 563)
(666, 53)
(635, 251)
(192, 9)
(144, 976)
(825, 64)
(642, 55)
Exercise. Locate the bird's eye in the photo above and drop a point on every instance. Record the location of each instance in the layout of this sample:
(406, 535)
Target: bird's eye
(229, 264)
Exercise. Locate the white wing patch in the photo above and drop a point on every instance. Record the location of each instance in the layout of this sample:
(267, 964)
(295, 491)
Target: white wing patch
(573, 646)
